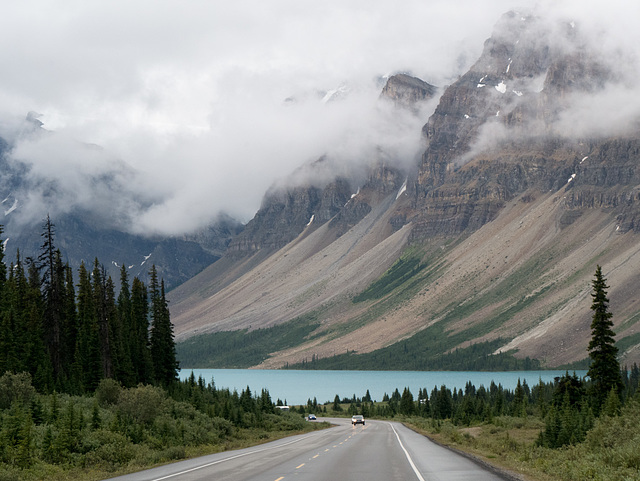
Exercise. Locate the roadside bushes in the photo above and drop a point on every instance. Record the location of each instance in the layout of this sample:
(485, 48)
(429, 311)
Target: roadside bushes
(616, 439)
(609, 451)
(46, 436)
(141, 404)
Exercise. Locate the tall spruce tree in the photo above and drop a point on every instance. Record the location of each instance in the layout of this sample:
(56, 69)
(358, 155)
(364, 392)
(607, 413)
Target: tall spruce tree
(52, 282)
(33, 318)
(126, 372)
(5, 330)
(87, 359)
(3, 268)
(102, 312)
(163, 349)
(69, 333)
(604, 370)
(140, 348)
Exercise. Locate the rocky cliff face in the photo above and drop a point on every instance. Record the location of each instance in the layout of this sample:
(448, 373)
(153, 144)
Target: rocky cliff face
(287, 211)
(508, 210)
(493, 134)
(406, 91)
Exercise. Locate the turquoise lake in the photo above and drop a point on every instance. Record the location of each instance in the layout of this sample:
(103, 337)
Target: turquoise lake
(296, 387)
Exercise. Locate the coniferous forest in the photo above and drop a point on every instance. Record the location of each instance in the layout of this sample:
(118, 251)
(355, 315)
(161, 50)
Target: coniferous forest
(89, 379)
(69, 333)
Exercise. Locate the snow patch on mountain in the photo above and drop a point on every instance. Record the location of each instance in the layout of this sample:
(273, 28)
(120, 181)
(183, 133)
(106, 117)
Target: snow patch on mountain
(402, 189)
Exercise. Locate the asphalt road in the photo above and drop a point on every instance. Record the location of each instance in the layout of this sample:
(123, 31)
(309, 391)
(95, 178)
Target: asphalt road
(379, 450)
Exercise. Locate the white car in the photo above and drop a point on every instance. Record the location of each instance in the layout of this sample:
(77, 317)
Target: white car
(357, 419)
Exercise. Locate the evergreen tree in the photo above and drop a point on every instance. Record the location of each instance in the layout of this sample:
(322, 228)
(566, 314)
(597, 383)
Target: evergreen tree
(49, 262)
(140, 350)
(115, 329)
(102, 311)
(69, 333)
(518, 405)
(163, 349)
(12, 347)
(87, 357)
(7, 348)
(604, 370)
(126, 372)
(33, 317)
(634, 379)
(407, 406)
(3, 269)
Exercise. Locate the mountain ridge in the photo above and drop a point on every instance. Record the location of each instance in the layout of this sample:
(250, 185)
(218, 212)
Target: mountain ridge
(505, 216)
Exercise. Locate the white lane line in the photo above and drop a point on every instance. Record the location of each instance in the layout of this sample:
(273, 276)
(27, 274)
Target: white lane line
(413, 466)
(229, 459)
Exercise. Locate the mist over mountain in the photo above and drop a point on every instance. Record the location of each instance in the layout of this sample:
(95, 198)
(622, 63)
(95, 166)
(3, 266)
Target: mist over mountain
(92, 203)
(486, 242)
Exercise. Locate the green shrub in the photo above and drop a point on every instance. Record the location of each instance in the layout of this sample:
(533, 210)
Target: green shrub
(108, 450)
(141, 404)
(8, 473)
(284, 421)
(174, 453)
(108, 392)
(16, 388)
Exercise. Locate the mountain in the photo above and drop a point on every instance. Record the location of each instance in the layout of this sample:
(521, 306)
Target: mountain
(96, 227)
(485, 248)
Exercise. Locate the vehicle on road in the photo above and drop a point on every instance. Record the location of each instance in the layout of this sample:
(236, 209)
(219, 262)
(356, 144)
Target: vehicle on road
(311, 417)
(357, 419)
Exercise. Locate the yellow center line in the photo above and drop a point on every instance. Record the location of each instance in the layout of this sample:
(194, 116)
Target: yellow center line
(298, 467)
(280, 478)
(315, 456)
(327, 449)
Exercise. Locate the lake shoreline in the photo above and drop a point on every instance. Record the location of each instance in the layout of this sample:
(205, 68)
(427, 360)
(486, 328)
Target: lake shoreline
(298, 386)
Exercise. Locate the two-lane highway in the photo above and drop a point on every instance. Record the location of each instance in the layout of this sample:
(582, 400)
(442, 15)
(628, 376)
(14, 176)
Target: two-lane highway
(379, 450)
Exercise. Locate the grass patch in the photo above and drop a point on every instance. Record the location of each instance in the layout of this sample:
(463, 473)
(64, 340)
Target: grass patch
(583, 364)
(424, 352)
(403, 270)
(243, 348)
(627, 342)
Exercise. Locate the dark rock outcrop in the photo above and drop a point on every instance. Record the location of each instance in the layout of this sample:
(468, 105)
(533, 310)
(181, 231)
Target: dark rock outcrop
(406, 91)
(285, 213)
(383, 181)
(492, 136)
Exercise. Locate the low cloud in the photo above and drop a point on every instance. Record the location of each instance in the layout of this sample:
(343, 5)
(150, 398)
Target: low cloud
(189, 105)
(594, 94)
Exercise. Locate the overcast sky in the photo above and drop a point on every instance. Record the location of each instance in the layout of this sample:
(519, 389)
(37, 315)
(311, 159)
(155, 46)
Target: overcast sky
(191, 94)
